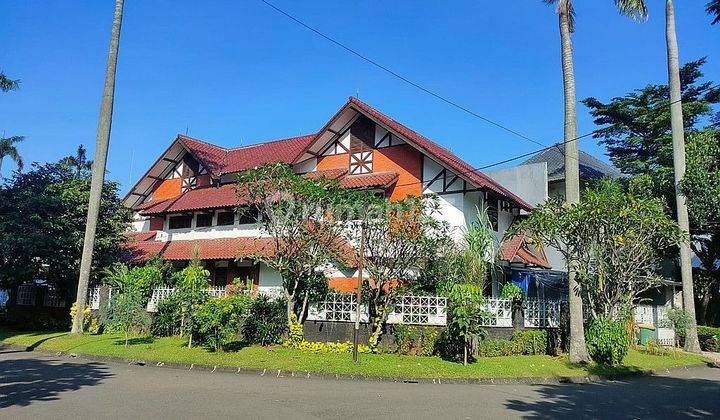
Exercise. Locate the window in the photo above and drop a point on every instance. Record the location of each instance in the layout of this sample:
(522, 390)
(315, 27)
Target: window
(248, 215)
(204, 220)
(491, 206)
(225, 218)
(180, 222)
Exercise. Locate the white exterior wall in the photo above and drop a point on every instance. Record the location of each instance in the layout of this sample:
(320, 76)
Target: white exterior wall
(269, 281)
(139, 224)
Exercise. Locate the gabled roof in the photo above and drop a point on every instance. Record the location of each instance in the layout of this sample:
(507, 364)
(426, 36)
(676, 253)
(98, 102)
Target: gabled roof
(197, 199)
(430, 148)
(220, 161)
(518, 249)
(590, 166)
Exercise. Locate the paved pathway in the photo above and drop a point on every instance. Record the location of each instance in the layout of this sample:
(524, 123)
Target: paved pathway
(37, 386)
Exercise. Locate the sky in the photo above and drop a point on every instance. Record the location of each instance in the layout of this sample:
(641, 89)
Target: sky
(237, 72)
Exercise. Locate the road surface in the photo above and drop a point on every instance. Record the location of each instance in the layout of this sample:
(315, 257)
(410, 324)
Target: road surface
(38, 386)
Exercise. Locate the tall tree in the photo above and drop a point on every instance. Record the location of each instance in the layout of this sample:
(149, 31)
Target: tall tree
(8, 149)
(98, 173)
(636, 127)
(566, 14)
(678, 135)
(713, 8)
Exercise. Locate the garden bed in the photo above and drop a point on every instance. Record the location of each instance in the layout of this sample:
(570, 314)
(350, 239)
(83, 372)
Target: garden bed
(174, 350)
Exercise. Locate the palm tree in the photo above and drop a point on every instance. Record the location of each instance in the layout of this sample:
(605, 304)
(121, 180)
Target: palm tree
(7, 148)
(678, 136)
(98, 172)
(566, 13)
(78, 163)
(713, 8)
(7, 84)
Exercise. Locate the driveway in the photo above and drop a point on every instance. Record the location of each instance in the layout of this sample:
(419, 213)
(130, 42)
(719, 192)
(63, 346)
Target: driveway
(38, 386)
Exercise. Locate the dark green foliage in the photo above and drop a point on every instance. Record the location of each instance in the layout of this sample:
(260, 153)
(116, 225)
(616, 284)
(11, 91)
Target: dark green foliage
(416, 341)
(266, 322)
(709, 337)
(607, 341)
(43, 222)
(168, 317)
(35, 319)
(636, 127)
(527, 342)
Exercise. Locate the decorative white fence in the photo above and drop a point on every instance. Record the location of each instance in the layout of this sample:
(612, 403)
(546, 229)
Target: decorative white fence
(656, 315)
(158, 295)
(419, 310)
(498, 313)
(337, 307)
(26, 295)
(93, 298)
(542, 313)
(53, 299)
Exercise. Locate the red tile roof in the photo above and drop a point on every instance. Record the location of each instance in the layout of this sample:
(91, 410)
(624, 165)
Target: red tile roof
(206, 249)
(371, 180)
(219, 160)
(516, 249)
(443, 155)
(197, 199)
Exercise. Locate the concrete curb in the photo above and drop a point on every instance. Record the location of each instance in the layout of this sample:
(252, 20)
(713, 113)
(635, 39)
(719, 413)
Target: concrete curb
(274, 373)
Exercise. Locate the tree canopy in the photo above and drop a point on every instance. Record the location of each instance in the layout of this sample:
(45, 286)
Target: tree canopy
(635, 127)
(613, 239)
(42, 223)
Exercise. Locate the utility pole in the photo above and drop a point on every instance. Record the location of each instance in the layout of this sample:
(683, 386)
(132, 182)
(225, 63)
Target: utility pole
(678, 136)
(358, 292)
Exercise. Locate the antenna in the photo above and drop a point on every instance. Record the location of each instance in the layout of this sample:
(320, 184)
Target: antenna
(357, 93)
(132, 161)
(187, 129)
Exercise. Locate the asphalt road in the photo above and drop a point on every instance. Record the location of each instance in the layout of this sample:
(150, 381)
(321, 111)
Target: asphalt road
(38, 386)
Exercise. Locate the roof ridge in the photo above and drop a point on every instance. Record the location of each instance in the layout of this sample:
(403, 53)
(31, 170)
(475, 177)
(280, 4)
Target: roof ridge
(270, 142)
(184, 136)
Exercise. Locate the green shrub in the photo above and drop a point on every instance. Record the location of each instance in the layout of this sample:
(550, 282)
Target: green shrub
(168, 317)
(512, 291)
(498, 347)
(266, 321)
(708, 337)
(531, 342)
(127, 314)
(607, 341)
(218, 320)
(416, 341)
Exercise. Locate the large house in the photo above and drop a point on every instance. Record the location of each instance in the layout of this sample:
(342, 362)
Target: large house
(185, 203)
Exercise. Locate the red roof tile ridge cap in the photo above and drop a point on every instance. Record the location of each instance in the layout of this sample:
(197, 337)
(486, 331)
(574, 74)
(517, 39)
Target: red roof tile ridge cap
(186, 137)
(263, 143)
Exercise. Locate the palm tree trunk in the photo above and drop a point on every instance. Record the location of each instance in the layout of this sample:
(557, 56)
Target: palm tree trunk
(578, 351)
(98, 173)
(1, 159)
(678, 136)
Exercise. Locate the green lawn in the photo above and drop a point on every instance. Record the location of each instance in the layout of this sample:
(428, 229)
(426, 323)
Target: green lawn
(384, 365)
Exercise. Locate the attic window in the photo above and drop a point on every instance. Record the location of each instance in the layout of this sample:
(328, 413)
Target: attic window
(180, 222)
(204, 220)
(226, 218)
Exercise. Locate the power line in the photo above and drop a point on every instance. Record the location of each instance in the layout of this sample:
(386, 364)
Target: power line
(399, 76)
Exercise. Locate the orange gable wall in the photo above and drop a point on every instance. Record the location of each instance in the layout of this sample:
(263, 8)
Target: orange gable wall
(167, 189)
(406, 161)
(341, 161)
